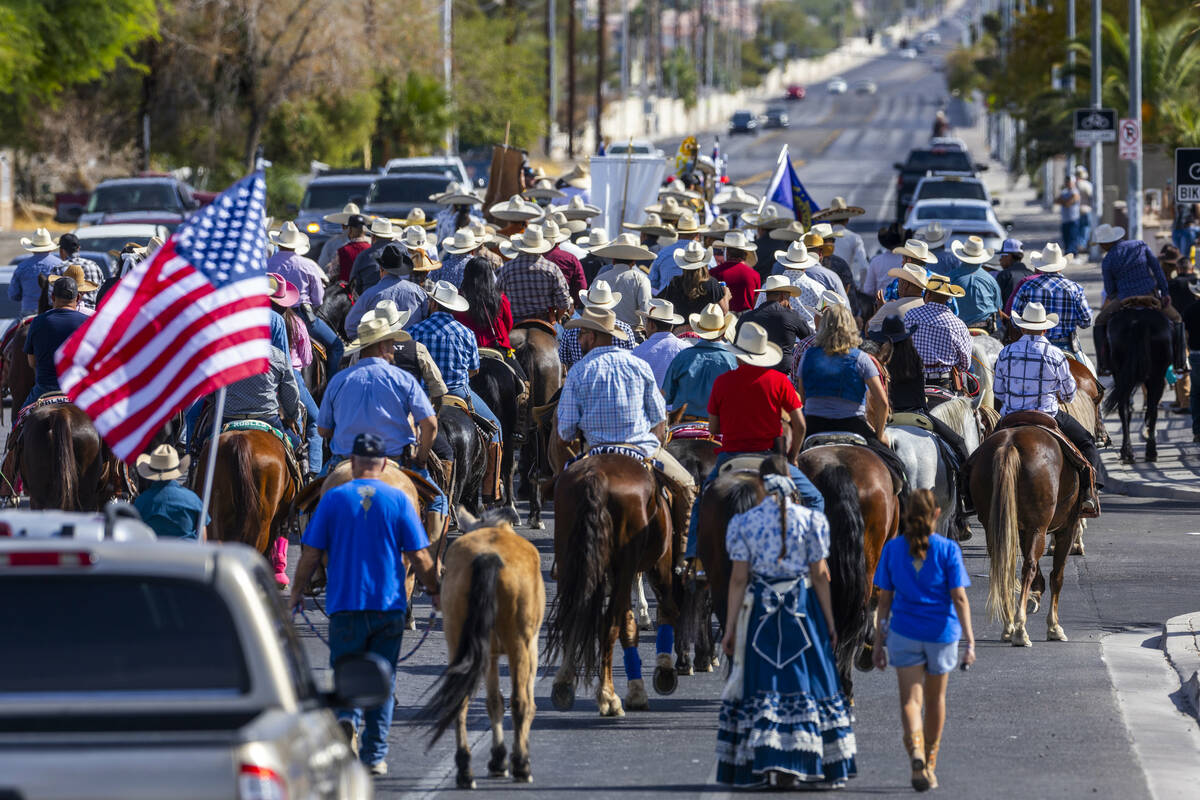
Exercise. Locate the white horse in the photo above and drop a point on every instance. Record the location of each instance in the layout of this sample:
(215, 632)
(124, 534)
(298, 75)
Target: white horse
(984, 350)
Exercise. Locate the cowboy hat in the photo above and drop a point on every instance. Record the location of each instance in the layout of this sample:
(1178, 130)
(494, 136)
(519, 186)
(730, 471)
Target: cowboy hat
(668, 209)
(692, 256)
(532, 241)
(893, 330)
(911, 273)
(446, 296)
(772, 216)
(371, 330)
(382, 228)
(677, 190)
(792, 232)
(580, 177)
(934, 234)
(600, 295)
(838, 211)
(662, 311)
(515, 209)
(916, 249)
(457, 194)
(687, 225)
(416, 238)
(815, 241)
(596, 237)
(940, 285)
(717, 228)
(162, 464)
(1107, 234)
(571, 226)
(826, 299)
(343, 216)
(75, 272)
(464, 241)
(1049, 259)
(1035, 318)
(826, 231)
(737, 240)
(778, 283)
(416, 217)
(289, 237)
(711, 323)
(543, 190)
(971, 251)
(653, 225)
(600, 320)
(754, 348)
(796, 257)
(282, 291)
(388, 311)
(553, 233)
(577, 209)
(42, 242)
(735, 198)
(624, 248)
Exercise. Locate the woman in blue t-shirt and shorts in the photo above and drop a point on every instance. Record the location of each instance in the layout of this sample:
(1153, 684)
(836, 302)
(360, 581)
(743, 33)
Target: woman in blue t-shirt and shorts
(923, 611)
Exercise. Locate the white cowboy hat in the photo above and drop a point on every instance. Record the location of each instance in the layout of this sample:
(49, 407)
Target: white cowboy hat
(553, 233)
(343, 216)
(915, 248)
(778, 283)
(971, 251)
(826, 231)
(543, 190)
(464, 241)
(383, 229)
(577, 209)
(911, 273)
(162, 464)
(1035, 318)
(737, 240)
(601, 320)
(687, 225)
(531, 241)
(416, 238)
(596, 237)
(515, 209)
(668, 209)
(388, 311)
(291, 238)
(416, 216)
(735, 198)
(938, 284)
(600, 295)
(1107, 234)
(792, 232)
(754, 348)
(458, 194)
(446, 296)
(826, 299)
(717, 228)
(796, 256)
(571, 226)
(42, 242)
(662, 311)
(934, 234)
(1049, 259)
(693, 256)
(772, 216)
(711, 323)
(580, 177)
(677, 190)
(838, 211)
(372, 330)
(624, 248)
(654, 224)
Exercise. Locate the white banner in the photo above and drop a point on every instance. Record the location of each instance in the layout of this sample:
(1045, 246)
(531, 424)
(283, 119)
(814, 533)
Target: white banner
(622, 186)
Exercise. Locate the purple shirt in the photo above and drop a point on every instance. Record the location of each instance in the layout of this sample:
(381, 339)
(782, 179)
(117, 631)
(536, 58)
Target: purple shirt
(301, 272)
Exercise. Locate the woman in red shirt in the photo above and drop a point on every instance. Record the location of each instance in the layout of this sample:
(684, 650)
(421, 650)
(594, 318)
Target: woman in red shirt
(736, 270)
(490, 316)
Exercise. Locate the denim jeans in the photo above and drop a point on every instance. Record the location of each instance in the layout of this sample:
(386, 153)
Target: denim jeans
(315, 442)
(1194, 363)
(1070, 230)
(377, 632)
(1185, 239)
(481, 408)
(335, 349)
(36, 392)
(809, 496)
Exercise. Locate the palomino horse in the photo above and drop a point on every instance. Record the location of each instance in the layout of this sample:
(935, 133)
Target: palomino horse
(493, 598)
(984, 350)
(253, 488)
(613, 520)
(64, 463)
(1024, 462)
(536, 345)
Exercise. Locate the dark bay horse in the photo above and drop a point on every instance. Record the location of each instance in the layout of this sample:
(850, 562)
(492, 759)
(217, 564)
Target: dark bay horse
(613, 520)
(1140, 344)
(497, 385)
(458, 429)
(253, 488)
(64, 463)
(536, 345)
(18, 376)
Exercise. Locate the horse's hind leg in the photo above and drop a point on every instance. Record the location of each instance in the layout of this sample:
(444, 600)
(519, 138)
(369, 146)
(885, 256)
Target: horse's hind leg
(1037, 588)
(640, 606)
(635, 694)
(1125, 412)
(523, 667)
(462, 753)
(1154, 396)
(606, 693)
(1062, 548)
(498, 764)
(664, 582)
(1032, 552)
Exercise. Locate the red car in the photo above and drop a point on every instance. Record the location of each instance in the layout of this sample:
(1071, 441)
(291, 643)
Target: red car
(795, 92)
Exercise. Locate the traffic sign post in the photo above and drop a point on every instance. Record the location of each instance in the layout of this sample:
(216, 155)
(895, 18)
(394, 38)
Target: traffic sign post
(1129, 139)
(1095, 126)
(1187, 175)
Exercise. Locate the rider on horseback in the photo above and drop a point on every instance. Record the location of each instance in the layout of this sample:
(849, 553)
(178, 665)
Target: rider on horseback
(1033, 375)
(306, 276)
(48, 331)
(982, 298)
(395, 269)
(690, 377)
(1058, 294)
(271, 397)
(942, 339)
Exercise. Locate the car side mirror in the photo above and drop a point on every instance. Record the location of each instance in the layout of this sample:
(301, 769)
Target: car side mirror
(360, 680)
(292, 208)
(995, 201)
(981, 167)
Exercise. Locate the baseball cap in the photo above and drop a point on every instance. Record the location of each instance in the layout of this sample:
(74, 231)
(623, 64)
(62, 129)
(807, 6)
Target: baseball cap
(368, 445)
(64, 288)
(69, 242)
(356, 221)
(1011, 247)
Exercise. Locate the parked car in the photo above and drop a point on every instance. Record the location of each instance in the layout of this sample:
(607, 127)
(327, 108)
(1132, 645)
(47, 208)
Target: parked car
(908, 53)
(866, 86)
(144, 194)
(106, 238)
(837, 86)
(744, 122)
(950, 187)
(450, 167)
(795, 92)
(637, 147)
(962, 217)
(394, 196)
(159, 668)
(776, 117)
(329, 194)
(923, 160)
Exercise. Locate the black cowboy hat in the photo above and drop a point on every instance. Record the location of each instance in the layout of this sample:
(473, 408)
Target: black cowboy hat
(893, 330)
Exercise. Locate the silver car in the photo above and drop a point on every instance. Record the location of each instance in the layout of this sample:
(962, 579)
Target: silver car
(963, 217)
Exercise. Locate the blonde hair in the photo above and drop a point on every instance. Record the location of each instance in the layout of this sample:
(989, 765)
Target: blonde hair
(837, 333)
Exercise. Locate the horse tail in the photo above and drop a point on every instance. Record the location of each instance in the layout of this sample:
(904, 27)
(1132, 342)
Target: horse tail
(579, 621)
(62, 445)
(237, 461)
(1002, 536)
(1130, 371)
(461, 678)
(847, 560)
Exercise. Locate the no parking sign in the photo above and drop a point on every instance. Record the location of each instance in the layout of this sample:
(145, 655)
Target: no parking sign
(1129, 139)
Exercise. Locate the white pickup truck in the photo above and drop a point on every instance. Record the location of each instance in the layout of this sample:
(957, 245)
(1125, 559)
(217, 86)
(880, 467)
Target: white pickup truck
(137, 669)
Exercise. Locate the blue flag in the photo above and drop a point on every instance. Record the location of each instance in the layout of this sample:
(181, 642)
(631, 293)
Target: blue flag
(787, 190)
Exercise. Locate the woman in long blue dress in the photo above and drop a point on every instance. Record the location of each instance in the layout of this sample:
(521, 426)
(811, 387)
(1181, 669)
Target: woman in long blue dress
(783, 718)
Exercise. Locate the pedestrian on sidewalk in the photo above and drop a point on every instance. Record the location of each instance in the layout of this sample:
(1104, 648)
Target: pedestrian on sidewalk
(1083, 231)
(1191, 322)
(923, 612)
(1069, 205)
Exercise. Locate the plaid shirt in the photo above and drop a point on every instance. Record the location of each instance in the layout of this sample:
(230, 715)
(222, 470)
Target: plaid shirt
(1060, 296)
(92, 273)
(1130, 269)
(534, 285)
(569, 351)
(452, 347)
(611, 397)
(942, 340)
(1031, 375)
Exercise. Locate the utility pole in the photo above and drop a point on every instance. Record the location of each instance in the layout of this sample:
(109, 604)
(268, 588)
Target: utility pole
(551, 74)
(600, 26)
(1070, 68)
(624, 49)
(1134, 200)
(571, 78)
(447, 60)
(1097, 170)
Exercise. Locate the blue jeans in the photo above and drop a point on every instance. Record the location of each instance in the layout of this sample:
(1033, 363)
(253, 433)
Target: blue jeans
(1070, 230)
(1185, 239)
(319, 330)
(1194, 364)
(809, 495)
(439, 504)
(36, 392)
(376, 632)
(315, 442)
(481, 408)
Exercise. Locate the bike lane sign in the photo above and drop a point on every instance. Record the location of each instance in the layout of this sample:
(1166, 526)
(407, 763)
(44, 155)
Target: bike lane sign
(1095, 126)
(1187, 175)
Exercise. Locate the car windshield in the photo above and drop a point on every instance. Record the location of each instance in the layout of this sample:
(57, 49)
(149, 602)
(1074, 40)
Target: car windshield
(106, 633)
(134, 197)
(951, 212)
(408, 169)
(333, 195)
(956, 190)
(775, 111)
(741, 116)
(103, 244)
(952, 160)
(622, 149)
(405, 190)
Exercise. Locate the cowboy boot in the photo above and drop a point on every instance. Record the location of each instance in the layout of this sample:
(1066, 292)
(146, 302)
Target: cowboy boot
(491, 473)
(914, 745)
(1183, 394)
(931, 755)
(435, 526)
(278, 557)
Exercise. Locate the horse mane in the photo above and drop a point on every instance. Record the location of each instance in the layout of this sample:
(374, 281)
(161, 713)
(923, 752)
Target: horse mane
(959, 414)
(1083, 410)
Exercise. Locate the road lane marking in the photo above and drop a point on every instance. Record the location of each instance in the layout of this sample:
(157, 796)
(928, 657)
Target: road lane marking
(766, 173)
(833, 135)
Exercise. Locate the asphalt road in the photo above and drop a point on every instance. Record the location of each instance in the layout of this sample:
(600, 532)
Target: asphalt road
(1024, 722)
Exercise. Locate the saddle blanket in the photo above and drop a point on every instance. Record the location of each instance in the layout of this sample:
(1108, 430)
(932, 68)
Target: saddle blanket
(691, 430)
(256, 425)
(49, 399)
(618, 450)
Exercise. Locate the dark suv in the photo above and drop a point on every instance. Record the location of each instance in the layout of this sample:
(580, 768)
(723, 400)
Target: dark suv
(928, 160)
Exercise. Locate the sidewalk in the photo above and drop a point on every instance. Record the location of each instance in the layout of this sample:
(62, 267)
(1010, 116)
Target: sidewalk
(1181, 642)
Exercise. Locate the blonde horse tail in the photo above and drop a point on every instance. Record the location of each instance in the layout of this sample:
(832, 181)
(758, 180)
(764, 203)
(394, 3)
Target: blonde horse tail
(1002, 535)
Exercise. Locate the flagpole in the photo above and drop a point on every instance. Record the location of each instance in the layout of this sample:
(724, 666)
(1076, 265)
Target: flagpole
(218, 415)
(763, 203)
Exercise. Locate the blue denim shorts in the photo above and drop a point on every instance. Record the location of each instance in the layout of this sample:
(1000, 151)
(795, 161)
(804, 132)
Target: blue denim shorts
(938, 657)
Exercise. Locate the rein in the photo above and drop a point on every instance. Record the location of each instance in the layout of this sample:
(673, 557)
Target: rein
(317, 633)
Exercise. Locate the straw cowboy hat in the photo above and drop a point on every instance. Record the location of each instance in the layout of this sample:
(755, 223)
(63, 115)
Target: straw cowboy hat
(543, 190)
(458, 194)
(624, 248)
(383, 229)
(600, 320)
(717, 228)
(792, 232)
(687, 224)
(531, 241)
(971, 251)
(934, 234)
(42, 242)
(911, 273)
(162, 464)
(815, 241)
(289, 237)
(796, 257)
(553, 233)
(735, 198)
(343, 216)
(940, 285)
(282, 291)
(1104, 234)
(152, 245)
(515, 209)
(580, 177)
(772, 216)
(75, 272)
(711, 323)
(838, 211)
(600, 295)
(577, 209)
(668, 209)
(778, 283)
(1035, 318)
(1050, 259)
(737, 240)
(662, 311)
(446, 296)
(653, 225)
(754, 348)
(826, 231)
(416, 218)
(916, 249)
(464, 241)
(372, 330)
(571, 226)
(693, 256)
(596, 237)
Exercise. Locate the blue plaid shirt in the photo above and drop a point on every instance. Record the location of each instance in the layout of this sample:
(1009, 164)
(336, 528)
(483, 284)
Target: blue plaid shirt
(1061, 296)
(452, 347)
(942, 340)
(612, 398)
(1031, 375)
(1130, 269)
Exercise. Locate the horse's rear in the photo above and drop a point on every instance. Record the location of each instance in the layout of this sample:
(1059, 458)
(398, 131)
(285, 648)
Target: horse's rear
(253, 489)
(1140, 347)
(63, 461)
(536, 348)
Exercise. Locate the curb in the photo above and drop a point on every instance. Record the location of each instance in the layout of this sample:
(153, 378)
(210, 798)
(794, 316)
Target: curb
(1142, 488)
(1181, 643)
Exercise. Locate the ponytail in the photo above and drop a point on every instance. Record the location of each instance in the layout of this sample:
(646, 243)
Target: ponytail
(777, 480)
(919, 518)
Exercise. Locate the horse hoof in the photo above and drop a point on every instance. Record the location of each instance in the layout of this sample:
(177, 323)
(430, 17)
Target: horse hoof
(1151, 457)
(644, 622)
(465, 782)
(1056, 634)
(1127, 458)
(537, 525)
(522, 778)
(636, 698)
(563, 696)
(665, 680)
(610, 704)
(683, 668)
(1021, 639)
(1077, 549)
(497, 773)
(1007, 634)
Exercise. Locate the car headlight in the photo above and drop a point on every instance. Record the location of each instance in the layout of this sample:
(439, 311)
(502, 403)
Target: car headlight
(313, 227)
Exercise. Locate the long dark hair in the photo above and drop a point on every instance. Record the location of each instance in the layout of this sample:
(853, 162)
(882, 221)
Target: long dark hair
(905, 363)
(919, 518)
(291, 324)
(482, 291)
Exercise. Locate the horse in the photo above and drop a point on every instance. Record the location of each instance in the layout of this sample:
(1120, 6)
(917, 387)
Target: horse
(336, 304)
(469, 446)
(984, 350)
(536, 345)
(252, 489)
(1024, 462)
(613, 520)
(1140, 345)
(64, 463)
(493, 599)
(18, 375)
(497, 385)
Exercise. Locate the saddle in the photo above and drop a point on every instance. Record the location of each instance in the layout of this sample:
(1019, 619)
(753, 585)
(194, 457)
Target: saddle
(618, 450)
(691, 430)
(831, 438)
(1046, 422)
(912, 419)
(742, 464)
(534, 322)
(1142, 301)
(484, 425)
(293, 463)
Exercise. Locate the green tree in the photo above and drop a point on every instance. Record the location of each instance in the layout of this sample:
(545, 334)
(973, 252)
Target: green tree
(414, 115)
(331, 127)
(499, 78)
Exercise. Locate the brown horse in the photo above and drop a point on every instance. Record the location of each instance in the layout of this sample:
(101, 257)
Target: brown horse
(18, 376)
(493, 598)
(252, 490)
(536, 345)
(64, 463)
(1024, 462)
(613, 520)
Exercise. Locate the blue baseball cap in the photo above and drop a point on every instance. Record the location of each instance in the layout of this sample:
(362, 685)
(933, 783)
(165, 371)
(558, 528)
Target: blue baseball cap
(1012, 247)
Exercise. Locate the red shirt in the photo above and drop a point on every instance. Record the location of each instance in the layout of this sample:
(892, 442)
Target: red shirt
(497, 336)
(742, 282)
(749, 402)
(346, 255)
(572, 270)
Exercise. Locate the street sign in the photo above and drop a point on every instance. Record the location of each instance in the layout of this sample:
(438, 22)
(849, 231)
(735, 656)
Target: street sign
(1095, 125)
(1187, 175)
(1129, 139)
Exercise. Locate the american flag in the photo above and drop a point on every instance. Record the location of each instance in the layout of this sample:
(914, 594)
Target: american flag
(188, 320)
